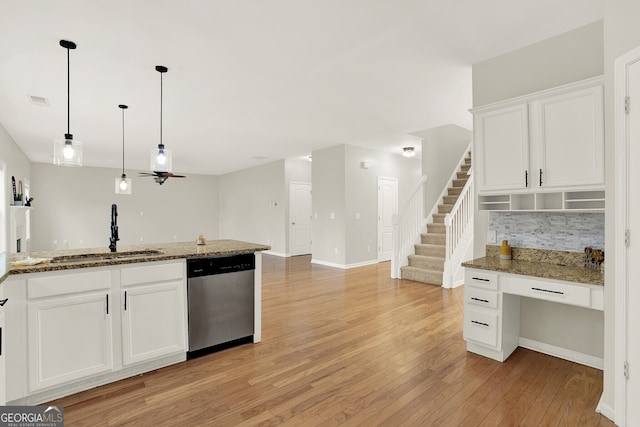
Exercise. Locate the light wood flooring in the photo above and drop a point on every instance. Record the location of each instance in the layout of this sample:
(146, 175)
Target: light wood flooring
(350, 348)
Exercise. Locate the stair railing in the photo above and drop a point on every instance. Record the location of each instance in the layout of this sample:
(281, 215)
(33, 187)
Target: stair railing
(458, 232)
(407, 226)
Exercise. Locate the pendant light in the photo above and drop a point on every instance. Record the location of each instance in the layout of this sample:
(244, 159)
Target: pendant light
(67, 151)
(123, 184)
(161, 157)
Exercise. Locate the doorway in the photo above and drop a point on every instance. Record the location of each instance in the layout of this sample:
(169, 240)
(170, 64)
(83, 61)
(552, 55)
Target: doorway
(300, 218)
(387, 210)
(627, 231)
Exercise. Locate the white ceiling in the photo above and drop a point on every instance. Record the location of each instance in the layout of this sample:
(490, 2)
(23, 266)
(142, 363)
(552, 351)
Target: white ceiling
(254, 81)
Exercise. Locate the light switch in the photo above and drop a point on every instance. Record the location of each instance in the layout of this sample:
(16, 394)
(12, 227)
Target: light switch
(492, 236)
(357, 215)
(332, 215)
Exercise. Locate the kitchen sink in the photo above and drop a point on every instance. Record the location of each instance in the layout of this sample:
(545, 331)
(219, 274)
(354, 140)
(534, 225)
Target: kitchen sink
(104, 256)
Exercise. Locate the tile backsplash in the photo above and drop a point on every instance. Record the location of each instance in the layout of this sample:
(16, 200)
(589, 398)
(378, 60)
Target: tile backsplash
(558, 231)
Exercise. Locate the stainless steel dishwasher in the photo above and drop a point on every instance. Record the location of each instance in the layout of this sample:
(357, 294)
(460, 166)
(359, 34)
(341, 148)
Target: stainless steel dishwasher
(220, 292)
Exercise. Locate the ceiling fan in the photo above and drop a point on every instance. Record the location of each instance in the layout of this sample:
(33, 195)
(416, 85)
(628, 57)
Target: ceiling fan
(161, 177)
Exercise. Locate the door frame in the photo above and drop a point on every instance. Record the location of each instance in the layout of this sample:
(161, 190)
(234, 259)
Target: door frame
(291, 184)
(378, 242)
(621, 191)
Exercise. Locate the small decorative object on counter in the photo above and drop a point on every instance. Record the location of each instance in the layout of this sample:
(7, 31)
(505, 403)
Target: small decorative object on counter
(593, 258)
(201, 240)
(505, 250)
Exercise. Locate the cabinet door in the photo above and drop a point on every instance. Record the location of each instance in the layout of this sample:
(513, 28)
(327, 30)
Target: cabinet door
(3, 350)
(153, 321)
(568, 140)
(502, 149)
(70, 337)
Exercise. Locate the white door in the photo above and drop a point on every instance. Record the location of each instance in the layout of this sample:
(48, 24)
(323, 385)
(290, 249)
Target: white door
(633, 251)
(387, 210)
(300, 218)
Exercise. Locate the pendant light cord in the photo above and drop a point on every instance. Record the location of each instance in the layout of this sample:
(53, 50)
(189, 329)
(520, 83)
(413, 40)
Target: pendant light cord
(123, 142)
(161, 109)
(68, 93)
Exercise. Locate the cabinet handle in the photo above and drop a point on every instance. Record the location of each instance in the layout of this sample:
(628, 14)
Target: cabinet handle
(480, 323)
(526, 179)
(480, 299)
(540, 177)
(3, 302)
(107, 299)
(481, 279)
(548, 291)
(125, 300)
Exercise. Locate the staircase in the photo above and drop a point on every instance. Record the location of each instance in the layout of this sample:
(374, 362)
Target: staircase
(428, 263)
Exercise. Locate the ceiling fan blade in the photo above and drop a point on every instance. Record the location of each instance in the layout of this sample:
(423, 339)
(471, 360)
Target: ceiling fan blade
(169, 174)
(146, 174)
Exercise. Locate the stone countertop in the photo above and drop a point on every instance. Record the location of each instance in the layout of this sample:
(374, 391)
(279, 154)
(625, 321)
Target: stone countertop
(168, 251)
(570, 273)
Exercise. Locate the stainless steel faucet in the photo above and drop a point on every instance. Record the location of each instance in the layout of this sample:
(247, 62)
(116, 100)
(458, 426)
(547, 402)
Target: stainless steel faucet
(114, 228)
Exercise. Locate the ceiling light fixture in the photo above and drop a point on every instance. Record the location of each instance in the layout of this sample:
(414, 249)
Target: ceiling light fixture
(408, 152)
(123, 184)
(67, 151)
(161, 157)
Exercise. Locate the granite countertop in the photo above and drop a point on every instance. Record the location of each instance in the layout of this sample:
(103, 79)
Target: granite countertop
(540, 263)
(167, 251)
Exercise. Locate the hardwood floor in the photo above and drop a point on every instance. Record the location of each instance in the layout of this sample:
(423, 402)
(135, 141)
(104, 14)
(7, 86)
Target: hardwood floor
(350, 348)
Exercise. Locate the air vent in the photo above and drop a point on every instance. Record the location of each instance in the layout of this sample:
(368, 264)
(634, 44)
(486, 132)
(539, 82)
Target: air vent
(39, 100)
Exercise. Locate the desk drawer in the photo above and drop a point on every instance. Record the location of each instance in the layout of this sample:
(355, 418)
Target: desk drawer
(481, 297)
(481, 327)
(547, 290)
(481, 279)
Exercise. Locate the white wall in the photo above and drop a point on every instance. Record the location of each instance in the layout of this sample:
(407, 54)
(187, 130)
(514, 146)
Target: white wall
(72, 206)
(568, 57)
(18, 165)
(342, 187)
(252, 205)
(621, 34)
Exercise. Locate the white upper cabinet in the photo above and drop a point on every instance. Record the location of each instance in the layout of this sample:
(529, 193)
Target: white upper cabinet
(502, 148)
(551, 140)
(568, 139)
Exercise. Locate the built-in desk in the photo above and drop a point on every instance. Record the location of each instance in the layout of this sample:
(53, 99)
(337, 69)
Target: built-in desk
(492, 301)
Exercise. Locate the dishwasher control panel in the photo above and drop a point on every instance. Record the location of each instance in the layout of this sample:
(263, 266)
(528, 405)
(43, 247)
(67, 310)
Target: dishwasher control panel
(220, 265)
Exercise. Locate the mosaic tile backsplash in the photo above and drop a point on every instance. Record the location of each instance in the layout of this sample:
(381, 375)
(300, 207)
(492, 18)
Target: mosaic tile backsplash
(558, 231)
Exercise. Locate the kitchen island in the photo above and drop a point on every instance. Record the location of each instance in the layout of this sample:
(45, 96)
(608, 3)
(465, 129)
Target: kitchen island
(84, 318)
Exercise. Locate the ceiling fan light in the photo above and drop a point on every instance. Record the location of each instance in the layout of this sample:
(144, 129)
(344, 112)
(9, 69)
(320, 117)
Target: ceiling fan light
(67, 151)
(123, 185)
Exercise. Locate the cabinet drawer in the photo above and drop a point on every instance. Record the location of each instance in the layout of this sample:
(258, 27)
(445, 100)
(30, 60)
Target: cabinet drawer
(546, 290)
(481, 297)
(481, 279)
(153, 273)
(46, 286)
(481, 327)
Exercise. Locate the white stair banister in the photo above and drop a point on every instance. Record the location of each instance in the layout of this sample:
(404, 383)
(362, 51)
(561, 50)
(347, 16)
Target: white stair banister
(458, 232)
(407, 225)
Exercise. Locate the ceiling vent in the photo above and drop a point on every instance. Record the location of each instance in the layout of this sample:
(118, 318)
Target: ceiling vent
(39, 100)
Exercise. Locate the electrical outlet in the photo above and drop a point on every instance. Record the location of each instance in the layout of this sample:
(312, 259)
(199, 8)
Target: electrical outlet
(492, 236)
(335, 250)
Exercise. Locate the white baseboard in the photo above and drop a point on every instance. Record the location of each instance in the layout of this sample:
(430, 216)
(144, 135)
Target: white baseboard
(606, 410)
(562, 353)
(280, 254)
(361, 264)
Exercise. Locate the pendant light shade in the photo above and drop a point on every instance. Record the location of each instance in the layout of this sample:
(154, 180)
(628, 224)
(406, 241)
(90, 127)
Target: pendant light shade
(161, 160)
(123, 184)
(67, 151)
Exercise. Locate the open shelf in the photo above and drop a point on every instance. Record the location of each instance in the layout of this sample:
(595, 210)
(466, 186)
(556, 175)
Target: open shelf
(559, 201)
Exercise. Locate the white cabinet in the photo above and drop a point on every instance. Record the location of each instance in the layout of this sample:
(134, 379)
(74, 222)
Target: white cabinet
(153, 311)
(69, 328)
(547, 140)
(568, 139)
(501, 148)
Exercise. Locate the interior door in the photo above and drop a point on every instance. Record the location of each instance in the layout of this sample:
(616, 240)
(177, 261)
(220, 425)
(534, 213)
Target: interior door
(633, 250)
(300, 218)
(387, 210)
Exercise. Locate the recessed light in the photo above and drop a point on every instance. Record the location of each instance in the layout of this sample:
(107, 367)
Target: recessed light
(39, 100)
